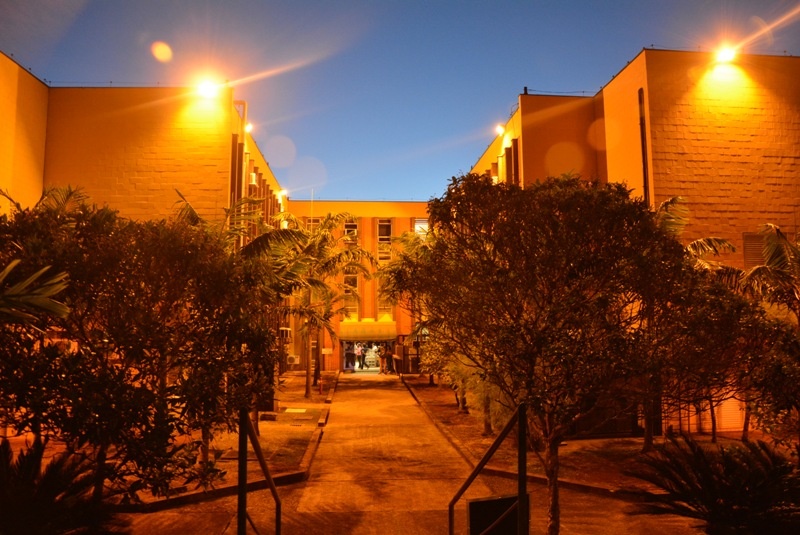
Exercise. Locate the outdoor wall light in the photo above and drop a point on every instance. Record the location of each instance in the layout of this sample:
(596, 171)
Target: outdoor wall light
(207, 89)
(248, 127)
(726, 54)
(500, 129)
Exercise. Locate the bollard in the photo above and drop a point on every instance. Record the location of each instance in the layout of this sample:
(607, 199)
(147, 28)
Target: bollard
(320, 386)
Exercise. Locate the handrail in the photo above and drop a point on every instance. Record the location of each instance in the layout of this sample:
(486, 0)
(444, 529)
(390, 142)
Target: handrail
(517, 417)
(250, 432)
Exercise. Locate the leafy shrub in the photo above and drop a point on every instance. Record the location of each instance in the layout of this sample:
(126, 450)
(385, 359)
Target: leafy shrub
(748, 488)
(56, 499)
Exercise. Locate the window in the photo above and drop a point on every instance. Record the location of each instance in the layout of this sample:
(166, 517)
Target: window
(351, 295)
(751, 247)
(421, 227)
(351, 231)
(384, 240)
(385, 310)
(312, 223)
(643, 142)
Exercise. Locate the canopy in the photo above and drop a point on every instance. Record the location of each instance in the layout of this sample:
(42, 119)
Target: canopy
(367, 331)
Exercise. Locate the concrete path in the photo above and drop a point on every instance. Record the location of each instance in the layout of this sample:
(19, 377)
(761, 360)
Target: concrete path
(381, 467)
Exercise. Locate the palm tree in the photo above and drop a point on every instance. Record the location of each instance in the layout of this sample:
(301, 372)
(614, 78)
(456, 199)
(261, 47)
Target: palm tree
(21, 301)
(777, 280)
(322, 255)
(673, 216)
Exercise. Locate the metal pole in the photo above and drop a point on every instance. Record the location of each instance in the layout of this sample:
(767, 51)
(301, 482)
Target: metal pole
(523, 518)
(241, 510)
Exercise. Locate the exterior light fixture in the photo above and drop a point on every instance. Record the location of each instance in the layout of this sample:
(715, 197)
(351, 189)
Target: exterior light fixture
(499, 129)
(248, 127)
(207, 89)
(726, 54)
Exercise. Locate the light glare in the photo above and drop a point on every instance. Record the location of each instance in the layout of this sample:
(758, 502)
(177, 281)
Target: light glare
(726, 54)
(208, 89)
(500, 129)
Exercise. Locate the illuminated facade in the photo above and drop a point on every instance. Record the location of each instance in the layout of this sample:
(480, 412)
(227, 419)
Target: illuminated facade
(133, 149)
(129, 148)
(370, 318)
(723, 136)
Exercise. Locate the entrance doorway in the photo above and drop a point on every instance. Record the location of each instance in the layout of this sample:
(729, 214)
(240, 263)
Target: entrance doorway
(368, 356)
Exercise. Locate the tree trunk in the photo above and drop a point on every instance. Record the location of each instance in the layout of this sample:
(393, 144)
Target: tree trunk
(307, 351)
(205, 445)
(746, 424)
(713, 420)
(99, 475)
(462, 396)
(487, 415)
(648, 410)
(551, 471)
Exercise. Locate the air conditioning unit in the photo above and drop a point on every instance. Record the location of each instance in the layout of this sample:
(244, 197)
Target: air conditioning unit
(292, 360)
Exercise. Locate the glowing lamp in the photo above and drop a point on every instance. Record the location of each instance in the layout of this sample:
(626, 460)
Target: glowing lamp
(499, 129)
(208, 89)
(726, 54)
(248, 127)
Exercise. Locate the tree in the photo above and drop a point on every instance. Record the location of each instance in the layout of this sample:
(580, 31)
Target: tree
(322, 254)
(167, 335)
(538, 289)
(777, 283)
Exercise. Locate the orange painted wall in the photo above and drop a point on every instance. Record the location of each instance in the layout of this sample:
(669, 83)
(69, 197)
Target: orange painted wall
(555, 136)
(131, 148)
(403, 215)
(623, 149)
(727, 138)
(23, 127)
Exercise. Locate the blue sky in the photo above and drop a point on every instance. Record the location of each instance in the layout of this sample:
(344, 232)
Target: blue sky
(380, 99)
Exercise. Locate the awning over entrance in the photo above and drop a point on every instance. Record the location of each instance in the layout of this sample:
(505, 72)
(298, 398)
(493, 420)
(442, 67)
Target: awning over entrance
(367, 331)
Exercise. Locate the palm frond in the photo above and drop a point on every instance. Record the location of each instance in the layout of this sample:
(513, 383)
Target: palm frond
(186, 211)
(672, 215)
(710, 246)
(281, 238)
(23, 299)
(62, 199)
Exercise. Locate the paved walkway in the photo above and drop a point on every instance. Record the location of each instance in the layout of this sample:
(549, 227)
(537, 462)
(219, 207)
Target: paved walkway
(382, 467)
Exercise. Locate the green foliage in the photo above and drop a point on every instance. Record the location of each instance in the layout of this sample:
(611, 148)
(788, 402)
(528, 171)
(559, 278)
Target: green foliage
(22, 300)
(751, 488)
(53, 500)
(538, 289)
(170, 333)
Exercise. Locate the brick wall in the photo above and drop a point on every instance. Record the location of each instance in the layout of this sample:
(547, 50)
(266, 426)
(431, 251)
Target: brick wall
(131, 148)
(727, 138)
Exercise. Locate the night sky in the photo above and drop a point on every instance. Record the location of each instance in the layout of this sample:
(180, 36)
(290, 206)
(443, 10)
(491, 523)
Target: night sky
(382, 99)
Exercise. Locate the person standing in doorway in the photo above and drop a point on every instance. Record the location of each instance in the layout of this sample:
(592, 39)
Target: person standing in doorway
(360, 355)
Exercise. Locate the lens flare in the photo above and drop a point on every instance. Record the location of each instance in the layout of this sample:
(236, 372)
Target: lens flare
(161, 51)
(208, 89)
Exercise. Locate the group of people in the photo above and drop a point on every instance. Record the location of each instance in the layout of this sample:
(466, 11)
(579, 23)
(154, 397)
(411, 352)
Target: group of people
(356, 355)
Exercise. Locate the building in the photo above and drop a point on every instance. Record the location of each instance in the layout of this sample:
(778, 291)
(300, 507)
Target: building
(371, 319)
(725, 136)
(128, 147)
(134, 149)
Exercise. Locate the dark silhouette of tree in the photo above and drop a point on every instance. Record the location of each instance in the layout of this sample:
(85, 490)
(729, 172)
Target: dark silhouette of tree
(539, 289)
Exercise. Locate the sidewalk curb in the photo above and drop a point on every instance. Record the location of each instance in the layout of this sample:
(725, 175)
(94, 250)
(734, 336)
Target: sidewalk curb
(280, 480)
(541, 480)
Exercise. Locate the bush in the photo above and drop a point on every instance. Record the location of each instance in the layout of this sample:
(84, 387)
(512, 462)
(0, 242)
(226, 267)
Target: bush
(748, 488)
(56, 499)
